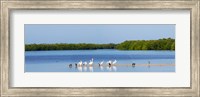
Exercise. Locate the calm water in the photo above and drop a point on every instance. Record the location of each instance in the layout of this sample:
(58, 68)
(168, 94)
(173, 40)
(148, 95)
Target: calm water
(58, 61)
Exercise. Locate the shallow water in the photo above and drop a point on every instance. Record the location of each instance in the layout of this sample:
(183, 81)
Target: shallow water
(58, 61)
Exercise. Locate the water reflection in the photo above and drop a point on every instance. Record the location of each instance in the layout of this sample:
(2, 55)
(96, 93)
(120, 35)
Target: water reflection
(109, 68)
(101, 68)
(80, 69)
(114, 68)
(85, 68)
(91, 69)
(147, 68)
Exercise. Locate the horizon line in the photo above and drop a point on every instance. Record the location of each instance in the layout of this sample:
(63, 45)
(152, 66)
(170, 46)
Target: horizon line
(99, 43)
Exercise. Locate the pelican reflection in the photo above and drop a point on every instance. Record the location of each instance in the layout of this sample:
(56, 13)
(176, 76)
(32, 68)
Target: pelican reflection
(101, 68)
(114, 68)
(91, 68)
(80, 68)
(85, 68)
(109, 68)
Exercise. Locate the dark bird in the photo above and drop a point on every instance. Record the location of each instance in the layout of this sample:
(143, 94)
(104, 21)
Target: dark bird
(109, 64)
(70, 65)
(76, 65)
(149, 64)
(133, 64)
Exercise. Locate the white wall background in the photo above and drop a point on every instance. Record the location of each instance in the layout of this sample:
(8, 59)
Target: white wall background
(181, 78)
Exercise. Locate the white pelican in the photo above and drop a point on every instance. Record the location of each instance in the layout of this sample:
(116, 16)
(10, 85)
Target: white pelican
(85, 63)
(114, 62)
(109, 62)
(101, 63)
(80, 63)
(91, 62)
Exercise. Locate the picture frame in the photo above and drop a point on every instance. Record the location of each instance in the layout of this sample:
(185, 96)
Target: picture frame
(7, 6)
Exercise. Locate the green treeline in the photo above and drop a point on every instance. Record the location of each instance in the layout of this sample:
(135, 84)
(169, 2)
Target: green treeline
(81, 46)
(161, 44)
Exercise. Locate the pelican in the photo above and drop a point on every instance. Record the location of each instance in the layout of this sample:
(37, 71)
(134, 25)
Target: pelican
(114, 62)
(80, 63)
(91, 62)
(85, 63)
(101, 63)
(109, 61)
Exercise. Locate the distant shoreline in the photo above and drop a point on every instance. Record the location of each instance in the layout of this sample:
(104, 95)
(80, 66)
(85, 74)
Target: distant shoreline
(160, 44)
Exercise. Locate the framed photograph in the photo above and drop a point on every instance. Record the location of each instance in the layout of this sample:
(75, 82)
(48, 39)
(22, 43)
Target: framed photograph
(100, 48)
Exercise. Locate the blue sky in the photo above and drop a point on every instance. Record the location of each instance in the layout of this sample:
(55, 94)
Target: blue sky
(95, 33)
